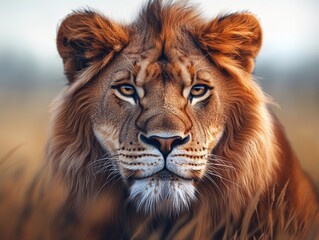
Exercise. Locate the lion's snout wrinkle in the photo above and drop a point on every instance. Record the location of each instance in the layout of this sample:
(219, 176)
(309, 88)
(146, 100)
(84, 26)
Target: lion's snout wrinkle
(163, 120)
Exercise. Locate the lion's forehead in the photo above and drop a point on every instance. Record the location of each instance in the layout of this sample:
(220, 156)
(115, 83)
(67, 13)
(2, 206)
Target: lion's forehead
(164, 66)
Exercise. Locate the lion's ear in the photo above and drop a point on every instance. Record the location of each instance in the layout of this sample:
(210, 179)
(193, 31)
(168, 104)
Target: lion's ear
(85, 39)
(232, 41)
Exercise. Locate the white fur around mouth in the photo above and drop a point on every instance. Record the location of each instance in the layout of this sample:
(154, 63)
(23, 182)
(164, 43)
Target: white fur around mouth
(155, 194)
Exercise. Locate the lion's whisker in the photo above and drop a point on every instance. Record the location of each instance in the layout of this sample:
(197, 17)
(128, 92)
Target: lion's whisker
(129, 62)
(216, 174)
(201, 59)
(207, 176)
(220, 165)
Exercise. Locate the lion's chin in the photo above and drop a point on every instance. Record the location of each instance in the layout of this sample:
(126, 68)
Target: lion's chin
(162, 195)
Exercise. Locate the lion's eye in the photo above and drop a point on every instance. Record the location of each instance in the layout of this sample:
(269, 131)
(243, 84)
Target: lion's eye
(126, 90)
(198, 90)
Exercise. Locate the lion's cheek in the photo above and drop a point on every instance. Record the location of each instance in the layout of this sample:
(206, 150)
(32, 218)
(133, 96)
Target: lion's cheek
(213, 135)
(107, 136)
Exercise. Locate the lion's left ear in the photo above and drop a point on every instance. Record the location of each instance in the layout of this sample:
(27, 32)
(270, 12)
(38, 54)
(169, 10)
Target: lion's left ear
(232, 41)
(85, 39)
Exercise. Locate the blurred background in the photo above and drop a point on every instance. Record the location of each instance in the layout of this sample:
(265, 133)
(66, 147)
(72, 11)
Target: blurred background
(31, 71)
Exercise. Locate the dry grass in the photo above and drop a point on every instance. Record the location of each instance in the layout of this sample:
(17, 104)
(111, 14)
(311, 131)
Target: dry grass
(32, 208)
(299, 113)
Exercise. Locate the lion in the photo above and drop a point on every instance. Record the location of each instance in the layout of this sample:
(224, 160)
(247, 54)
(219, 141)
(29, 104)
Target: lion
(163, 117)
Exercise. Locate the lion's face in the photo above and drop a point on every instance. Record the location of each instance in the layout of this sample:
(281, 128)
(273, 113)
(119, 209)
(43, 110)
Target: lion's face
(160, 120)
(162, 96)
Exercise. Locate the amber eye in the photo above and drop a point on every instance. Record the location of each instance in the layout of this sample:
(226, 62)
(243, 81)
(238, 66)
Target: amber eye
(198, 90)
(126, 90)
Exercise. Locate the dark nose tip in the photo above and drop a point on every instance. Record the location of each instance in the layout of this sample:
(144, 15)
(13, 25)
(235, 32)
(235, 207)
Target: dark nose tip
(165, 144)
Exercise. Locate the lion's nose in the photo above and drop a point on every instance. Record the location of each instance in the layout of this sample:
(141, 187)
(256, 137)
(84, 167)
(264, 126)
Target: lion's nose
(165, 144)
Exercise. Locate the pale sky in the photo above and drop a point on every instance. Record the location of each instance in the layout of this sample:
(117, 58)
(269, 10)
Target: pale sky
(290, 26)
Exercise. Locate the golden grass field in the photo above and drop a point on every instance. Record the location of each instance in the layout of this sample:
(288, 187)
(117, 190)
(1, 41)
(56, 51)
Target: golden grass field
(23, 129)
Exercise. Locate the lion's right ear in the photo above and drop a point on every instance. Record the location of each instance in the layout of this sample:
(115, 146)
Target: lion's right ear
(87, 39)
(232, 41)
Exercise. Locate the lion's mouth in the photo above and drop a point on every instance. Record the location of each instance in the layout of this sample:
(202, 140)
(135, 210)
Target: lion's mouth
(166, 175)
(163, 175)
